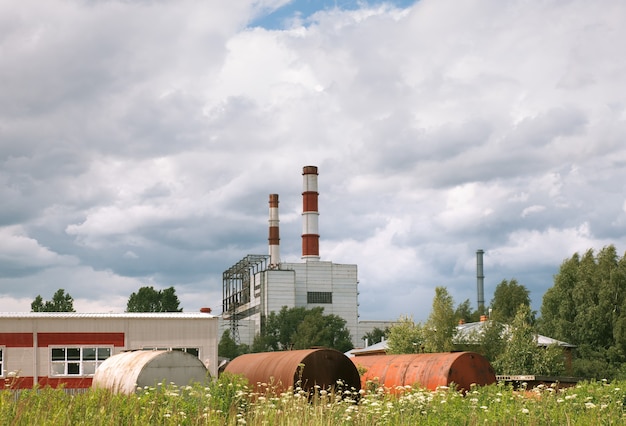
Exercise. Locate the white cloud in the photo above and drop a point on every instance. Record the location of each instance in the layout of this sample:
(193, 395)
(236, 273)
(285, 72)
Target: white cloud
(139, 141)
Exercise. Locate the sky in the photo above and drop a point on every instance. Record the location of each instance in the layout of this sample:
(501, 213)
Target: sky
(140, 140)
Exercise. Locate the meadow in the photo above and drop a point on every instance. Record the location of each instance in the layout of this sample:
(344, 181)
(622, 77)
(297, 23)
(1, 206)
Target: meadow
(231, 401)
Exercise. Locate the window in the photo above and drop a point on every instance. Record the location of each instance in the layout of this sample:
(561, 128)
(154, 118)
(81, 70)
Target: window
(1, 362)
(77, 361)
(319, 297)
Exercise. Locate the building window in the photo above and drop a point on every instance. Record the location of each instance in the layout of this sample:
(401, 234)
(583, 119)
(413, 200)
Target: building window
(1, 362)
(319, 297)
(77, 361)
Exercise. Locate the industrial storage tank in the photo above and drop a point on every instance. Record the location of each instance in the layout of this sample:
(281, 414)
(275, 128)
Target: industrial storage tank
(426, 370)
(125, 372)
(300, 368)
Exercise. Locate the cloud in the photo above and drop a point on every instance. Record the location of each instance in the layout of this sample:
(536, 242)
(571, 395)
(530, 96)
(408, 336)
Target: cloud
(139, 142)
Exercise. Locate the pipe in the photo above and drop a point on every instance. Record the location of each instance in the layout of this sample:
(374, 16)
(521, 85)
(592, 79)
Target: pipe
(306, 368)
(426, 370)
(480, 279)
(310, 214)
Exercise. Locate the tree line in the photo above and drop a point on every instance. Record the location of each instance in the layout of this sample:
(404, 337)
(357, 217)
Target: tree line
(146, 299)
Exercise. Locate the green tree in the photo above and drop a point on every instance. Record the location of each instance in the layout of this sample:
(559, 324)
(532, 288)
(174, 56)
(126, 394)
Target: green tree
(405, 337)
(278, 330)
(507, 298)
(328, 331)
(440, 328)
(228, 348)
(61, 302)
(464, 313)
(376, 335)
(522, 355)
(587, 307)
(147, 299)
(558, 309)
(299, 328)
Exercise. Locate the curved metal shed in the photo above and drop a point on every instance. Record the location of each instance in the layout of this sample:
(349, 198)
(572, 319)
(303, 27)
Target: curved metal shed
(323, 367)
(125, 372)
(428, 370)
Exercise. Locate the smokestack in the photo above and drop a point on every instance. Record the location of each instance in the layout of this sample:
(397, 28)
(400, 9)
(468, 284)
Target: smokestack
(310, 232)
(480, 279)
(274, 237)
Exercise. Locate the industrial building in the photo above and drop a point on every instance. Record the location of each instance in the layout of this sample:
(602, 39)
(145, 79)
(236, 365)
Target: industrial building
(260, 284)
(53, 349)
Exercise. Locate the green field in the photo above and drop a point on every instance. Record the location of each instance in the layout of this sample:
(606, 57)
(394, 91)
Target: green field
(229, 401)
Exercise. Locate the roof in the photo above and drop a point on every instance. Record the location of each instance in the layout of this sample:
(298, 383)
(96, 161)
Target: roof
(137, 315)
(466, 329)
(379, 347)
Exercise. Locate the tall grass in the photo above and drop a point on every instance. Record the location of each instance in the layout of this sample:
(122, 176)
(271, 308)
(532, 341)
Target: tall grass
(230, 401)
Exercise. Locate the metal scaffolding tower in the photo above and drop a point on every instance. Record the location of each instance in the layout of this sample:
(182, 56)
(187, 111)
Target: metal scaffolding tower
(236, 288)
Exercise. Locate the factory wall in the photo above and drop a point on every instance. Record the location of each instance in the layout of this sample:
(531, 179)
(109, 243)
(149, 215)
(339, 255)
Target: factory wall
(65, 348)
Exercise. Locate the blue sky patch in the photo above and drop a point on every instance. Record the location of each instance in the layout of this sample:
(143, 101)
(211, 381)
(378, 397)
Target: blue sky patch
(302, 9)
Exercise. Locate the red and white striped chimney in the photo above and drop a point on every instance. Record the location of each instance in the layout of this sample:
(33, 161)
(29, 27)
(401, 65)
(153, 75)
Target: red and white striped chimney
(274, 237)
(310, 232)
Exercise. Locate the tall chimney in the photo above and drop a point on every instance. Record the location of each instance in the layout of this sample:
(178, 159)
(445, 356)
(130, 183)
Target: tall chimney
(480, 279)
(310, 232)
(274, 237)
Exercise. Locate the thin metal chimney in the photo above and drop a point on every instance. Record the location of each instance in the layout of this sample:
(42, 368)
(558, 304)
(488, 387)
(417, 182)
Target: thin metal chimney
(310, 232)
(480, 279)
(274, 237)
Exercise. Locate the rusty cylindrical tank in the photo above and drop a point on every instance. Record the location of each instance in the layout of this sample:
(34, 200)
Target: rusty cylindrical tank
(304, 368)
(125, 372)
(426, 370)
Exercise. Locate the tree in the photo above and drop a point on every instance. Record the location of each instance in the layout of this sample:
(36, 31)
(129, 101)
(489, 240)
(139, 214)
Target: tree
(376, 335)
(587, 307)
(147, 299)
(228, 348)
(299, 328)
(327, 331)
(278, 329)
(61, 302)
(521, 353)
(507, 298)
(405, 337)
(463, 312)
(440, 328)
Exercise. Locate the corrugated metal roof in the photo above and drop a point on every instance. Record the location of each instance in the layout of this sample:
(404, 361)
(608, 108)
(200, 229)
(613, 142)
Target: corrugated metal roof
(146, 315)
(466, 331)
(375, 348)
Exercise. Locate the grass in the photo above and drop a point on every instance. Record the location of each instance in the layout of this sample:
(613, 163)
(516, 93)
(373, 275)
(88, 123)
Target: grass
(230, 401)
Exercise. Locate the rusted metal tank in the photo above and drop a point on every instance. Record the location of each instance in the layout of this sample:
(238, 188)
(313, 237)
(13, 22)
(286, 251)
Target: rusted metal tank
(427, 370)
(300, 368)
(125, 372)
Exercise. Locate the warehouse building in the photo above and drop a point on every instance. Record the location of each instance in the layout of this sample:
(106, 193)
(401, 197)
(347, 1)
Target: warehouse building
(54, 349)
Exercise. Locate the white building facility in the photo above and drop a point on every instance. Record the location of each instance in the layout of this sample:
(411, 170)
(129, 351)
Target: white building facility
(260, 284)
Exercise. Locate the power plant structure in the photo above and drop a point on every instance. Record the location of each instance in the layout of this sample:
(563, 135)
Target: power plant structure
(260, 284)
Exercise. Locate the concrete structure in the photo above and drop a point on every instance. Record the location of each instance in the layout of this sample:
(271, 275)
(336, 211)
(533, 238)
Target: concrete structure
(66, 348)
(259, 284)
